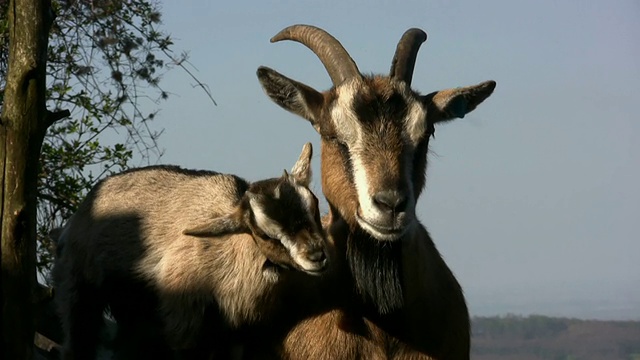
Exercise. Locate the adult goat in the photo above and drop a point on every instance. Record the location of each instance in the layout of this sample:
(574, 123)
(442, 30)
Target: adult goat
(187, 251)
(400, 300)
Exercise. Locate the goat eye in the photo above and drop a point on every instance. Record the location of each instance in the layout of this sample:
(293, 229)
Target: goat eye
(264, 236)
(335, 140)
(268, 238)
(339, 143)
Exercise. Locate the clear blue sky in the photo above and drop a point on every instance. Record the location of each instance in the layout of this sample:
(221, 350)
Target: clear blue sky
(533, 199)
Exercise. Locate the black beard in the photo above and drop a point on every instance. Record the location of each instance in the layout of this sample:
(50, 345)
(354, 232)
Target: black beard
(376, 269)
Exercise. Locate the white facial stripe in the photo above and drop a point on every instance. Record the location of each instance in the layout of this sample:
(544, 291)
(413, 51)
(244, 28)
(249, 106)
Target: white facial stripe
(415, 121)
(361, 180)
(288, 244)
(300, 257)
(344, 119)
(297, 254)
(264, 222)
(347, 125)
(274, 230)
(307, 198)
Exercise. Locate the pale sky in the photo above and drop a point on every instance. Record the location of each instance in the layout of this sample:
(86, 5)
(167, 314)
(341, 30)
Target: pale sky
(532, 199)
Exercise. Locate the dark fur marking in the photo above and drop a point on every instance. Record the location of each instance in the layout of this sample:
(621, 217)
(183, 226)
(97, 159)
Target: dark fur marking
(169, 168)
(280, 210)
(376, 269)
(371, 107)
(346, 160)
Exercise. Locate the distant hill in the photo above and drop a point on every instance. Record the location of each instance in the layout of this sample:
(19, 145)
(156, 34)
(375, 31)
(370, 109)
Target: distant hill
(538, 337)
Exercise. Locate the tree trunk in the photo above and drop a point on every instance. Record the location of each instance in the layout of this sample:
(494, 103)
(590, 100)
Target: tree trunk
(23, 124)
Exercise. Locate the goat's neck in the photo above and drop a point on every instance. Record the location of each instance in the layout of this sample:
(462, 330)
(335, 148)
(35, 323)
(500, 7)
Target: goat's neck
(375, 266)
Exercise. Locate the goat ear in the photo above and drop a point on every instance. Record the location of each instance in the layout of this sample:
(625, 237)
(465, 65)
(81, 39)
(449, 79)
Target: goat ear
(256, 202)
(449, 104)
(301, 170)
(291, 95)
(227, 224)
(255, 198)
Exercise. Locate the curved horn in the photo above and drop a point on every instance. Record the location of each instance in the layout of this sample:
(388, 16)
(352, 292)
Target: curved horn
(404, 59)
(334, 57)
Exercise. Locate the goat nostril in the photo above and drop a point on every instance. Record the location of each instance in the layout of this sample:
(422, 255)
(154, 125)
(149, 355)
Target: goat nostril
(402, 204)
(390, 200)
(317, 256)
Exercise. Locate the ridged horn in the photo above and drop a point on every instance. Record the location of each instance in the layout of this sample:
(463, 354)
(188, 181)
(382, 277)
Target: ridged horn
(404, 59)
(328, 49)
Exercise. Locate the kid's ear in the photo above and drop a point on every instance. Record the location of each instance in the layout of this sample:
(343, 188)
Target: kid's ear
(301, 170)
(227, 224)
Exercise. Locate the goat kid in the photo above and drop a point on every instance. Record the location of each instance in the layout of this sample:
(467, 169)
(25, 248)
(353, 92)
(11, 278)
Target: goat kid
(161, 246)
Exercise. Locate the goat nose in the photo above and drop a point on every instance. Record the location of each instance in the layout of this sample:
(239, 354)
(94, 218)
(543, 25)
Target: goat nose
(390, 200)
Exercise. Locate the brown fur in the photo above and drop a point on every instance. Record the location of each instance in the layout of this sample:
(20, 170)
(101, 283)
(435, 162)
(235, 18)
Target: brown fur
(428, 318)
(431, 324)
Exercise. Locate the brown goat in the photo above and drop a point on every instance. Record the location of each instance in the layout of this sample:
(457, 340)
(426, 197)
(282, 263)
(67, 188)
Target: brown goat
(396, 298)
(162, 246)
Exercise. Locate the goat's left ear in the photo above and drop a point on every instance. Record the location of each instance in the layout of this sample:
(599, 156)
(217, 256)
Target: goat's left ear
(223, 225)
(301, 170)
(449, 104)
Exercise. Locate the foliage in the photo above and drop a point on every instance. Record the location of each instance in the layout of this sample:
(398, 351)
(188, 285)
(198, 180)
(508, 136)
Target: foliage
(105, 62)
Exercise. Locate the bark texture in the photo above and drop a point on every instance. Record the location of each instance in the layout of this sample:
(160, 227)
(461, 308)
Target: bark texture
(23, 124)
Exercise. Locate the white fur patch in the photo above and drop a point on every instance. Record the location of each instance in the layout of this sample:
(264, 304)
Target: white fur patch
(271, 274)
(297, 254)
(344, 119)
(307, 197)
(363, 189)
(288, 243)
(416, 122)
(264, 222)
(348, 127)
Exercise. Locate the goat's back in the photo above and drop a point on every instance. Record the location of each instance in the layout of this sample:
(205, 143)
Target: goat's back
(133, 218)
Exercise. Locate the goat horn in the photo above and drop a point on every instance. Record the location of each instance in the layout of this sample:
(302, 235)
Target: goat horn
(404, 59)
(328, 49)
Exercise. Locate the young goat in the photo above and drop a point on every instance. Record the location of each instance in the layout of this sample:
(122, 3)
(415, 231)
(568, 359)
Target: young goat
(170, 244)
